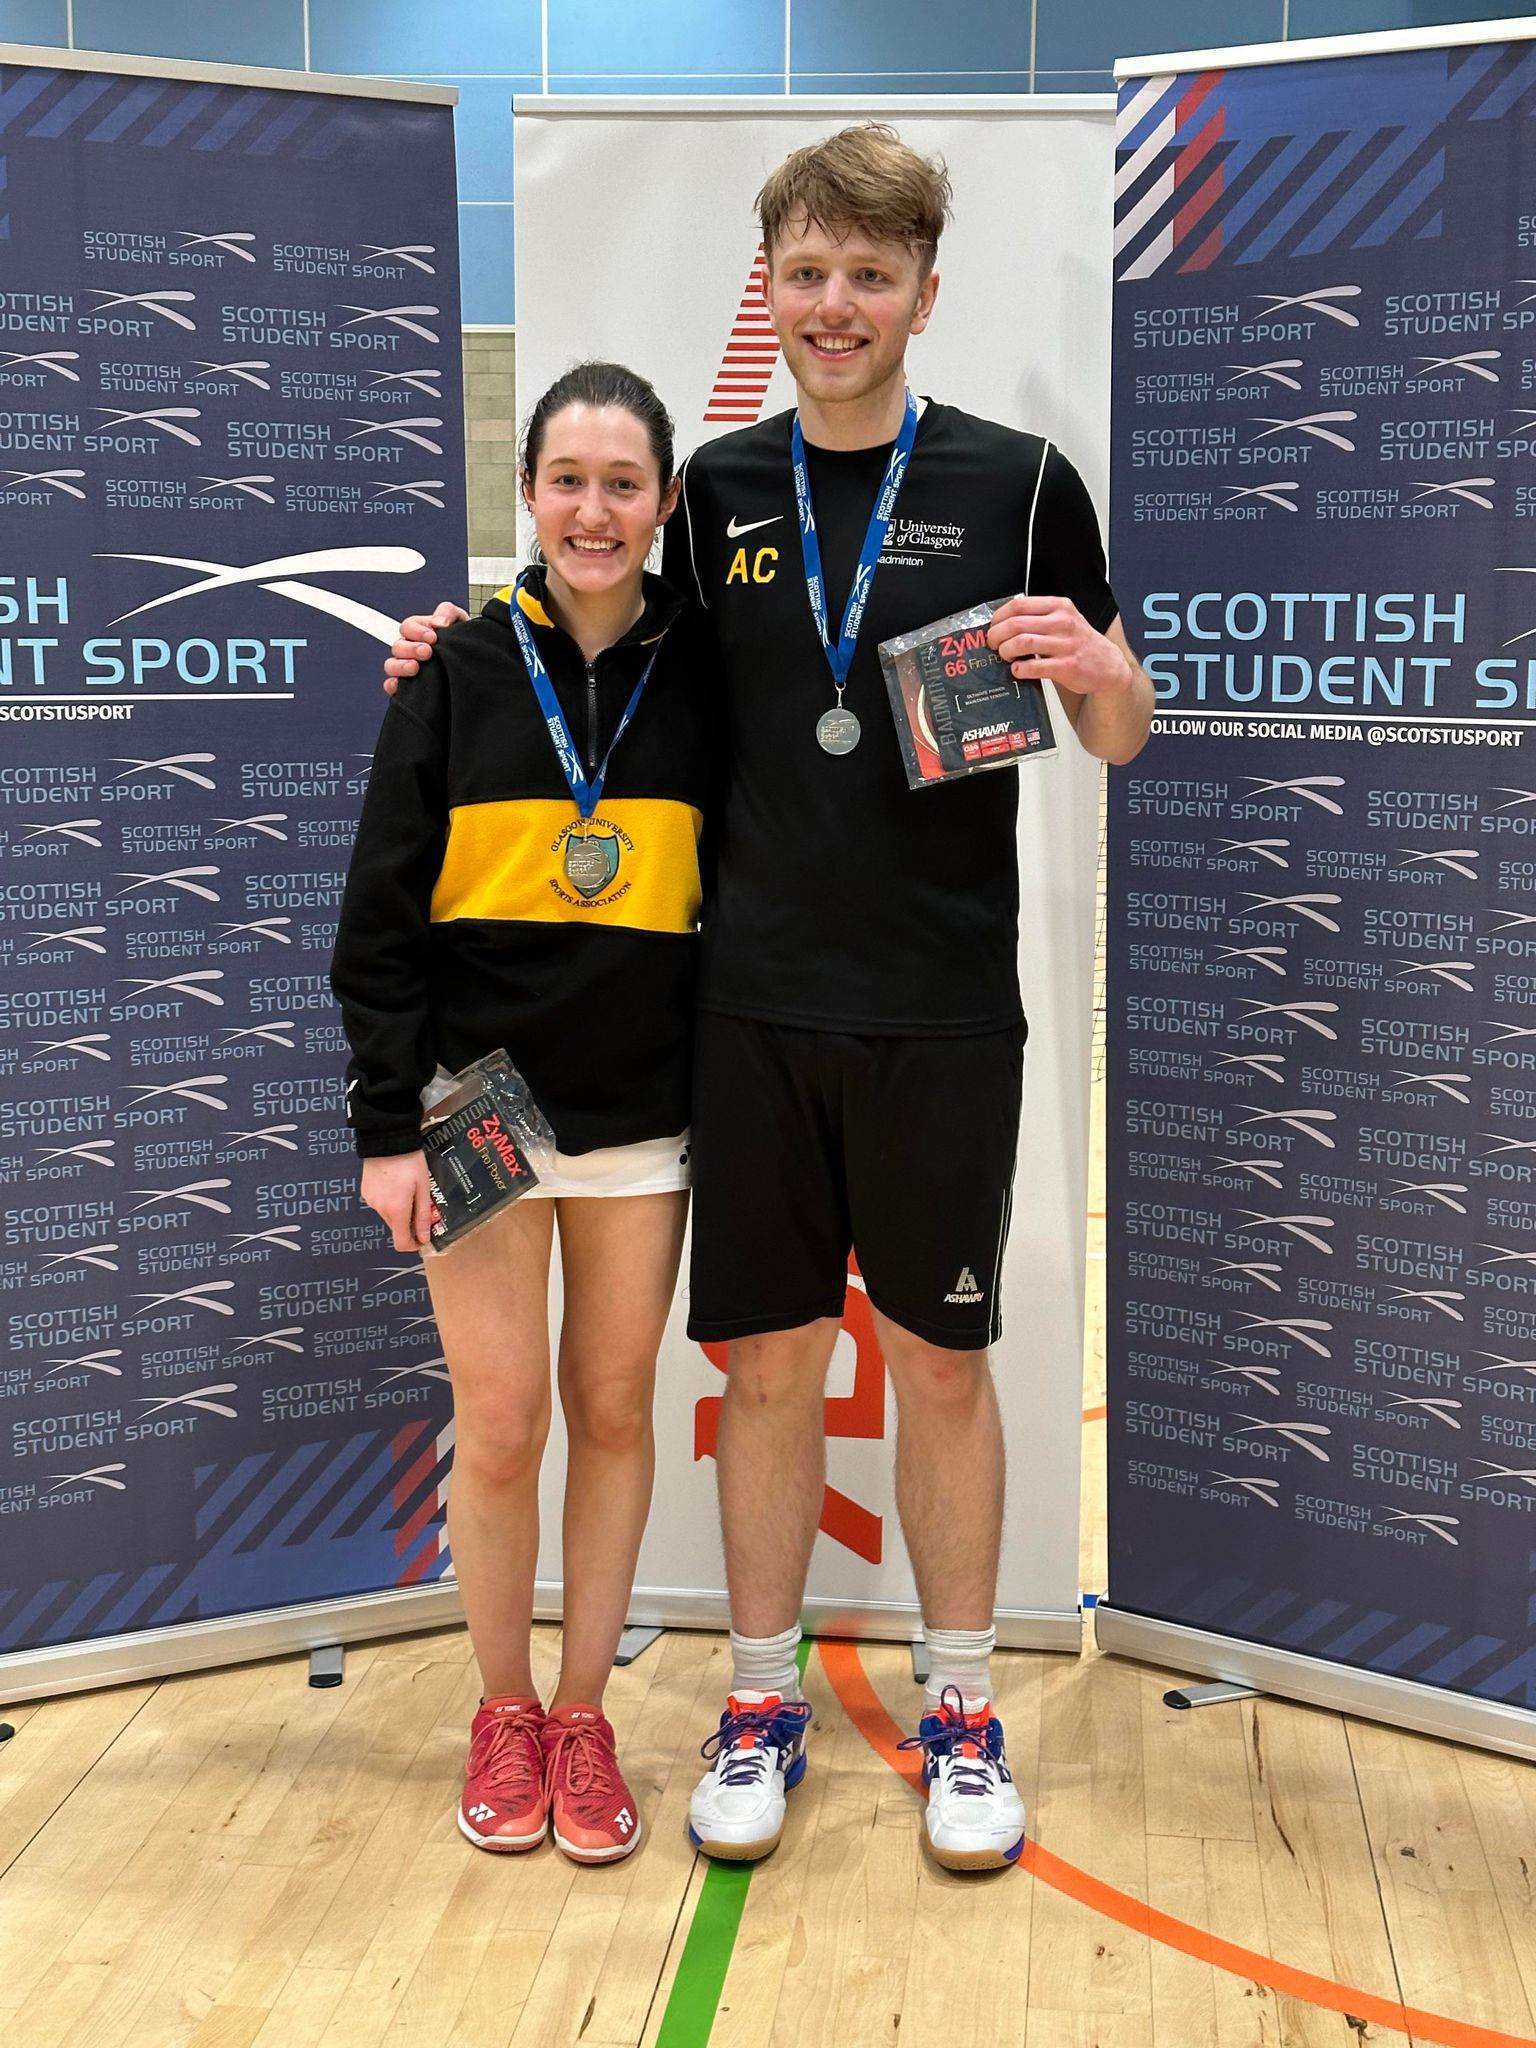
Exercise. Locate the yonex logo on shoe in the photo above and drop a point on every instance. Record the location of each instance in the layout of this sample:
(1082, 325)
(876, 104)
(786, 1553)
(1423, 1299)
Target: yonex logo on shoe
(623, 1820)
(966, 1289)
(482, 1812)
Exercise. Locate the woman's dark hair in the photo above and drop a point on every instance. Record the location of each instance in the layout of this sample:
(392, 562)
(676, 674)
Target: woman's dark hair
(601, 384)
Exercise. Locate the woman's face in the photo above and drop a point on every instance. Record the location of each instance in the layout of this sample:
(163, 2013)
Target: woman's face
(596, 498)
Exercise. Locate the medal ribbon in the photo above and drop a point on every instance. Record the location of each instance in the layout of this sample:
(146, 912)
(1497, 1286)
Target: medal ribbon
(586, 791)
(840, 656)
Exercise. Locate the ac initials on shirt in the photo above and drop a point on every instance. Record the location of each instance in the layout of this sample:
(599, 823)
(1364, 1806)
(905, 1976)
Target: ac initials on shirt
(764, 566)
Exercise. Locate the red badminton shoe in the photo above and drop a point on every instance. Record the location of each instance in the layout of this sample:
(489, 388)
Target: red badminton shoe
(504, 1807)
(594, 1815)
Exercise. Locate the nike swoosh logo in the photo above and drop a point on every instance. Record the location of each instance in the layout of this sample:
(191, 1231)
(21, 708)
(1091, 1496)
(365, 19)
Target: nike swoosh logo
(738, 527)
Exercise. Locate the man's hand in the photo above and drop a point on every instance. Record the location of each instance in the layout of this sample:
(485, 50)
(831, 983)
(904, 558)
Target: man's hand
(418, 637)
(398, 1189)
(1105, 692)
(1048, 636)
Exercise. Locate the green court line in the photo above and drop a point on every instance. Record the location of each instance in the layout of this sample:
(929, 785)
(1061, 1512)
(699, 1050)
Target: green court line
(690, 2015)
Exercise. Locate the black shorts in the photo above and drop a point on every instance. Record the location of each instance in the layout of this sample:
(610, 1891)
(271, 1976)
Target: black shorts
(809, 1144)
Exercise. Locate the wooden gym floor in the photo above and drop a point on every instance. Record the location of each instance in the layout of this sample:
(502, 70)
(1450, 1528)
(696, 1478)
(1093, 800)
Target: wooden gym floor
(232, 1860)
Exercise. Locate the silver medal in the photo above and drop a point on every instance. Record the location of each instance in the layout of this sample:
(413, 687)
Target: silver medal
(837, 731)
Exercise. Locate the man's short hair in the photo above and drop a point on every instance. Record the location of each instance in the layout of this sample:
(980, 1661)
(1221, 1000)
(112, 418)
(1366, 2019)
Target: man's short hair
(864, 177)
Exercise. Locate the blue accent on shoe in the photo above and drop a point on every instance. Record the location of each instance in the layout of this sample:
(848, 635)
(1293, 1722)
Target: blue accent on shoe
(696, 1840)
(795, 1772)
(942, 1734)
(781, 1728)
(1012, 1855)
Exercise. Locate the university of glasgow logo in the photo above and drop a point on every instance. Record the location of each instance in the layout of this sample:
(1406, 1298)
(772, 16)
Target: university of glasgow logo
(591, 862)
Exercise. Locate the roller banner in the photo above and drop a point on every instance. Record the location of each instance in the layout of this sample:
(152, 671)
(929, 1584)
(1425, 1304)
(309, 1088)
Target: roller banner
(1322, 921)
(230, 456)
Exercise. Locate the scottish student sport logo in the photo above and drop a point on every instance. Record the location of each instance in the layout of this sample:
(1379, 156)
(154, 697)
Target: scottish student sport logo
(289, 577)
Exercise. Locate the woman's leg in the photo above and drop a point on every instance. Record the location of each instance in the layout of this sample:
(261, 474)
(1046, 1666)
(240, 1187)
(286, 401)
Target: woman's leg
(619, 1258)
(490, 1294)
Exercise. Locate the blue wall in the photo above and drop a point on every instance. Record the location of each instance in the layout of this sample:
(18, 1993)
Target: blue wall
(490, 49)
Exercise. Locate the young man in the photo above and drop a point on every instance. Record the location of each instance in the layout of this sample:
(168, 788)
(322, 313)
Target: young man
(861, 950)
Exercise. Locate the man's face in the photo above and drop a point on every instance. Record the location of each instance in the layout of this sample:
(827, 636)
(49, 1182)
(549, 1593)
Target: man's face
(844, 309)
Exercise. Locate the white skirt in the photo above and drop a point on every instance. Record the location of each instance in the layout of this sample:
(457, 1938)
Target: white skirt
(655, 1166)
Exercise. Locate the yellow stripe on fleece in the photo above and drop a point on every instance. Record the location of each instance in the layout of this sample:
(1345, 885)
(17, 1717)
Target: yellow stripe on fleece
(506, 862)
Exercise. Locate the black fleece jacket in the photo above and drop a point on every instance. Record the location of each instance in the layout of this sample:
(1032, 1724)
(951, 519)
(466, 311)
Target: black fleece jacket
(468, 922)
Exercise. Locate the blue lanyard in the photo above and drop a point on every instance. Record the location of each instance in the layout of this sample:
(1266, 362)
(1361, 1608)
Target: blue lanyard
(840, 657)
(586, 792)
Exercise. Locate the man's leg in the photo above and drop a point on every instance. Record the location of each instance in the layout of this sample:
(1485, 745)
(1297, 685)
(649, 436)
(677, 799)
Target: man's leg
(930, 1173)
(772, 1470)
(769, 1274)
(771, 1460)
(949, 1474)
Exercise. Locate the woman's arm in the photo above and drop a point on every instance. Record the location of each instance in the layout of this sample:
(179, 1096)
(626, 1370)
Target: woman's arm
(381, 968)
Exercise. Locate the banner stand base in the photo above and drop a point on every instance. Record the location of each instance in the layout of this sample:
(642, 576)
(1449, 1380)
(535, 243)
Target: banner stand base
(634, 1643)
(875, 1621)
(327, 1666)
(1371, 1695)
(319, 1627)
(1215, 1695)
(324, 1626)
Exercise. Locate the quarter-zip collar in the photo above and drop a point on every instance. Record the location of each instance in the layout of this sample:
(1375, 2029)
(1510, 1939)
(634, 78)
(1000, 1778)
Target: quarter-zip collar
(592, 694)
(660, 608)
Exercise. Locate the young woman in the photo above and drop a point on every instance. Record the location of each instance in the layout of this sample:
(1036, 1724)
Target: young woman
(526, 875)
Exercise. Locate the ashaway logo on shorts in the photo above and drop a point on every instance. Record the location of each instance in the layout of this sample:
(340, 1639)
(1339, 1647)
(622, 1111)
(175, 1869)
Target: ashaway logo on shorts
(965, 1293)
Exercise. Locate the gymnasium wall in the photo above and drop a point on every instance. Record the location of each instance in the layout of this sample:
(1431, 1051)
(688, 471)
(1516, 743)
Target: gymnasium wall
(490, 49)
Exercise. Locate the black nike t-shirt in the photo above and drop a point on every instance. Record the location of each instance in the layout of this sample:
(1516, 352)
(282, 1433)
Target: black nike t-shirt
(844, 900)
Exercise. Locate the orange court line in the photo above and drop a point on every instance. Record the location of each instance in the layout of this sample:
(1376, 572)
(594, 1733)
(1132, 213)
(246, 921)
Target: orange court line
(1094, 1414)
(866, 1710)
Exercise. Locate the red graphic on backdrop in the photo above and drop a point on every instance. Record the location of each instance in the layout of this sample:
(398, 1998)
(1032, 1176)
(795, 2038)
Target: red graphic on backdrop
(415, 1500)
(859, 1415)
(741, 383)
(1190, 157)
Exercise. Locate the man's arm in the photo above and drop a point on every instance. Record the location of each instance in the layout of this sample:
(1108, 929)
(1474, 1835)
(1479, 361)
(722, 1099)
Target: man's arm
(1118, 729)
(1074, 639)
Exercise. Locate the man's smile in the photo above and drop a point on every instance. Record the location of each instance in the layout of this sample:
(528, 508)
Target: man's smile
(833, 347)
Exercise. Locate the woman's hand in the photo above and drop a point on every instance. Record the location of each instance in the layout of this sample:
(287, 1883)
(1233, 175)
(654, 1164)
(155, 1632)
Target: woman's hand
(398, 1189)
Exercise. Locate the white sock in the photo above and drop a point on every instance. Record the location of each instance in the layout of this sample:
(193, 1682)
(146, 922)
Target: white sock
(962, 1658)
(766, 1663)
